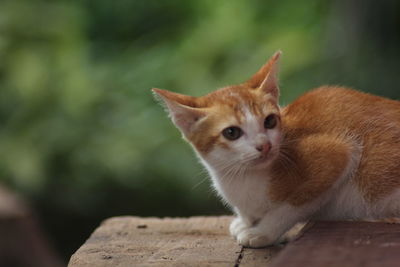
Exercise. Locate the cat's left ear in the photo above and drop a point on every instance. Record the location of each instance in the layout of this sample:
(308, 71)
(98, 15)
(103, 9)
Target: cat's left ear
(181, 108)
(266, 78)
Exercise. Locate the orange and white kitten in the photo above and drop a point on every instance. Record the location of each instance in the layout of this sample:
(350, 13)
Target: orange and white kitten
(332, 154)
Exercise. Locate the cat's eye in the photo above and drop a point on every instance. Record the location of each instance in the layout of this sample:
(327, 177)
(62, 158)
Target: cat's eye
(270, 121)
(232, 133)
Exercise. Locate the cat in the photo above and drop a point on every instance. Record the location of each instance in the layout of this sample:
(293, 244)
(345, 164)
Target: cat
(332, 154)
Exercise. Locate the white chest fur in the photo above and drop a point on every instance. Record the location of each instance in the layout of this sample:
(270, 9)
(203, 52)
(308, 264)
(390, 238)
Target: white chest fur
(247, 193)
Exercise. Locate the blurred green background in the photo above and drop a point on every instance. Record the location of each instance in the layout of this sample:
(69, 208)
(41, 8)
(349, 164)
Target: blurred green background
(82, 138)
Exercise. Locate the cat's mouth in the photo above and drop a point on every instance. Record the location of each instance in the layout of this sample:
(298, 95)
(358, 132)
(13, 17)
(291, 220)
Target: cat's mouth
(262, 159)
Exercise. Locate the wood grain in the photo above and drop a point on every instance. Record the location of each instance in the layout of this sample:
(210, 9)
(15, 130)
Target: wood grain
(344, 244)
(131, 241)
(195, 241)
(204, 241)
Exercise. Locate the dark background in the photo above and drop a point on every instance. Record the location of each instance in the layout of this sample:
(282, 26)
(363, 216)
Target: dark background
(81, 137)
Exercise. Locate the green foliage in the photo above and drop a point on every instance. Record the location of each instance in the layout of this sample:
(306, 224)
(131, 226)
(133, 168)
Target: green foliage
(81, 136)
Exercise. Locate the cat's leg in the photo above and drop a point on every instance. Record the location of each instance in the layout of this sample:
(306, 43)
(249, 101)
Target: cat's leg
(239, 223)
(272, 226)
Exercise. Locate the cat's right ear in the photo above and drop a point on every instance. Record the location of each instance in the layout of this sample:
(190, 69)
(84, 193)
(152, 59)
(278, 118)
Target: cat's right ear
(266, 78)
(181, 108)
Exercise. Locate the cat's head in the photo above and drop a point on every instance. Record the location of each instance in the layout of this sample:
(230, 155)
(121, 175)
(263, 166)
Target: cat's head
(233, 126)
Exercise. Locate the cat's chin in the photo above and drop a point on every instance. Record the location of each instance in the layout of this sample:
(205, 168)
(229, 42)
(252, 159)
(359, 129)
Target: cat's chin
(262, 162)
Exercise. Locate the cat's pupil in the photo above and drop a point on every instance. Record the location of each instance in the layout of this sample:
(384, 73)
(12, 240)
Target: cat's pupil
(270, 121)
(232, 133)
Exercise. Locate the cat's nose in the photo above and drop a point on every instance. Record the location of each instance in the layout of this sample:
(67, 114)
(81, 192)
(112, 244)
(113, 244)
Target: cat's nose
(264, 148)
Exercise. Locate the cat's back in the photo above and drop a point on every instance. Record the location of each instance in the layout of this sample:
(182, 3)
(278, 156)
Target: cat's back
(338, 108)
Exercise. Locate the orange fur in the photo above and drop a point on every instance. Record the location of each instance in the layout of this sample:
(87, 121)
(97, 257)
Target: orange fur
(304, 172)
(371, 120)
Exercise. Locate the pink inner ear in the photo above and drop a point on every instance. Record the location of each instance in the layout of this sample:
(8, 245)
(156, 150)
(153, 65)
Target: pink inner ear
(182, 109)
(185, 100)
(182, 121)
(184, 117)
(266, 75)
(270, 84)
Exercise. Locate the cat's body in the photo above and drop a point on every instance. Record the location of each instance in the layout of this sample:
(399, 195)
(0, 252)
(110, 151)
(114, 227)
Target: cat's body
(334, 153)
(370, 128)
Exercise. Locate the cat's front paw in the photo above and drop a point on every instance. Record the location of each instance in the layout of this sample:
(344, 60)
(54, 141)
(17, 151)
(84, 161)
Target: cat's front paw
(253, 238)
(237, 226)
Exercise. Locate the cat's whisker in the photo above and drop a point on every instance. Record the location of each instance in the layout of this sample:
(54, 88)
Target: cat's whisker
(238, 172)
(243, 171)
(231, 173)
(203, 174)
(199, 183)
(224, 165)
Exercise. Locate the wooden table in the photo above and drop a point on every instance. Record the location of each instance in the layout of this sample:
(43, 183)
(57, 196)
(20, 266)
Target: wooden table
(204, 241)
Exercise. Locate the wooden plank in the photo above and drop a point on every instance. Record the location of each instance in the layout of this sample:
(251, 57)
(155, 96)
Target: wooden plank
(131, 241)
(195, 241)
(258, 257)
(344, 244)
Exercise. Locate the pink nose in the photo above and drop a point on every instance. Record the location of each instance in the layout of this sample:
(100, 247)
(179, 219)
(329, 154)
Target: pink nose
(264, 148)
